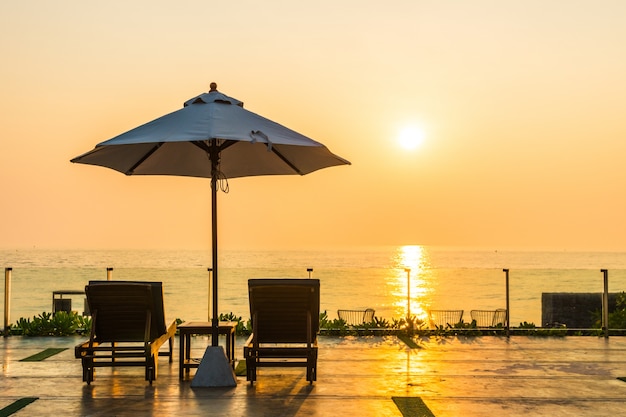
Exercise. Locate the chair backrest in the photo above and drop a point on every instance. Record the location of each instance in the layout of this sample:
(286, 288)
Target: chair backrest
(280, 309)
(62, 304)
(356, 317)
(121, 309)
(483, 318)
(499, 318)
(445, 318)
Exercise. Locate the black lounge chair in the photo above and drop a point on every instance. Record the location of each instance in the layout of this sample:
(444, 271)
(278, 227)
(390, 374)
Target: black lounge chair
(128, 327)
(285, 325)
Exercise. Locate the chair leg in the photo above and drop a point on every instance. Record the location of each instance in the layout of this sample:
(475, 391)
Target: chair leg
(155, 367)
(311, 368)
(90, 375)
(251, 369)
(311, 372)
(151, 368)
(88, 370)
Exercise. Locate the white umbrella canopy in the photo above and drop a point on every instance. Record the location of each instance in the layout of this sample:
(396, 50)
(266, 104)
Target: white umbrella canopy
(212, 136)
(180, 143)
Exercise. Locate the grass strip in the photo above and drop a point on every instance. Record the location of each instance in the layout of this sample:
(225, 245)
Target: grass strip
(17, 406)
(240, 369)
(43, 355)
(412, 407)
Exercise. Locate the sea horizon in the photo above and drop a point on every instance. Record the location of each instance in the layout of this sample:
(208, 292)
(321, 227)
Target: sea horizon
(351, 278)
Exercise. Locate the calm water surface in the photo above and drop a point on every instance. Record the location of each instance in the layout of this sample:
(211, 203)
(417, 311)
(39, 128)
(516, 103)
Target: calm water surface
(440, 278)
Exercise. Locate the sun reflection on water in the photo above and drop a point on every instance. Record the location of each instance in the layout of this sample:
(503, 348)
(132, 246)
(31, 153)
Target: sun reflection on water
(411, 282)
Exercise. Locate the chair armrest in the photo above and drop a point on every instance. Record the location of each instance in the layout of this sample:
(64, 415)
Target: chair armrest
(171, 329)
(81, 349)
(157, 343)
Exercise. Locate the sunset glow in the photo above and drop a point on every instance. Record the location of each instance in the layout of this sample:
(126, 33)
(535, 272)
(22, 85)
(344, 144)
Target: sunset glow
(411, 138)
(410, 276)
(468, 124)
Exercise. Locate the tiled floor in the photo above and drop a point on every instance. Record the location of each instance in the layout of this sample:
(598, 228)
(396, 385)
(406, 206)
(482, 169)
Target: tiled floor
(482, 376)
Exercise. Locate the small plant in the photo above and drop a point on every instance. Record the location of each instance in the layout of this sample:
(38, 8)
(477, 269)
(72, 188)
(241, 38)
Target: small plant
(617, 318)
(463, 325)
(335, 324)
(397, 324)
(324, 321)
(83, 324)
(533, 330)
(46, 324)
(380, 323)
(408, 325)
(337, 327)
(469, 329)
(241, 328)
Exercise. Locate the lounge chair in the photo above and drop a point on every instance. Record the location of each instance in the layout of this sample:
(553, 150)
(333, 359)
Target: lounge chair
(489, 318)
(444, 318)
(483, 318)
(356, 317)
(285, 325)
(128, 327)
(500, 317)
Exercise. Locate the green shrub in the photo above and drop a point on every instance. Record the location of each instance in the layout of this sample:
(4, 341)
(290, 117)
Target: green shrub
(617, 318)
(241, 328)
(47, 324)
(337, 327)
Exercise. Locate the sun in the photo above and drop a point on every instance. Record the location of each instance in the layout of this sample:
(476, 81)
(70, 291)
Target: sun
(411, 138)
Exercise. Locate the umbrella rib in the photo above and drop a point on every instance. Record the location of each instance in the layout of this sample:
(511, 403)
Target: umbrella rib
(286, 161)
(147, 155)
(203, 145)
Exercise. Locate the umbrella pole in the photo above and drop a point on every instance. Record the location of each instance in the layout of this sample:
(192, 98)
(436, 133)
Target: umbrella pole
(215, 369)
(214, 174)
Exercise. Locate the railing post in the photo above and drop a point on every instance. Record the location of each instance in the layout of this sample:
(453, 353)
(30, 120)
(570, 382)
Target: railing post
(209, 302)
(7, 300)
(506, 319)
(408, 296)
(605, 304)
(109, 273)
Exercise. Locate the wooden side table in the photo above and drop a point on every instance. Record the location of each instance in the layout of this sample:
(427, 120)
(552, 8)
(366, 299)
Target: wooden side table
(187, 329)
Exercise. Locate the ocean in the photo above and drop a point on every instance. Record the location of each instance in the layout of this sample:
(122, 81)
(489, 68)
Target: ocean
(353, 278)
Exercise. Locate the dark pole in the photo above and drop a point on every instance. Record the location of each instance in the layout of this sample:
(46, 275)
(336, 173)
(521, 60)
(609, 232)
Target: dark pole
(408, 296)
(506, 274)
(605, 303)
(209, 303)
(7, 300)
(214, 174)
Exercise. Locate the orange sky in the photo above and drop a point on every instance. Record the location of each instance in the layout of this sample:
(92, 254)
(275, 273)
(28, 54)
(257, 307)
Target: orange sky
(522, 104)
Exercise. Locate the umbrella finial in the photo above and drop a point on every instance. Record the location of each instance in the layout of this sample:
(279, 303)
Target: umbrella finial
(213, 87)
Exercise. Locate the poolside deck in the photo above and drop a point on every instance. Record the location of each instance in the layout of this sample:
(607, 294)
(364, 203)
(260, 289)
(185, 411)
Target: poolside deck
(474, 376)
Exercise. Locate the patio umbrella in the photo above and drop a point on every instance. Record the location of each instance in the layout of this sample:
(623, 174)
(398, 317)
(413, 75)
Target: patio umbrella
(214, 137)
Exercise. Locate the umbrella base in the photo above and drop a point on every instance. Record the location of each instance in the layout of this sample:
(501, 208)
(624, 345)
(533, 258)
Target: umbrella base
(214, 370)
